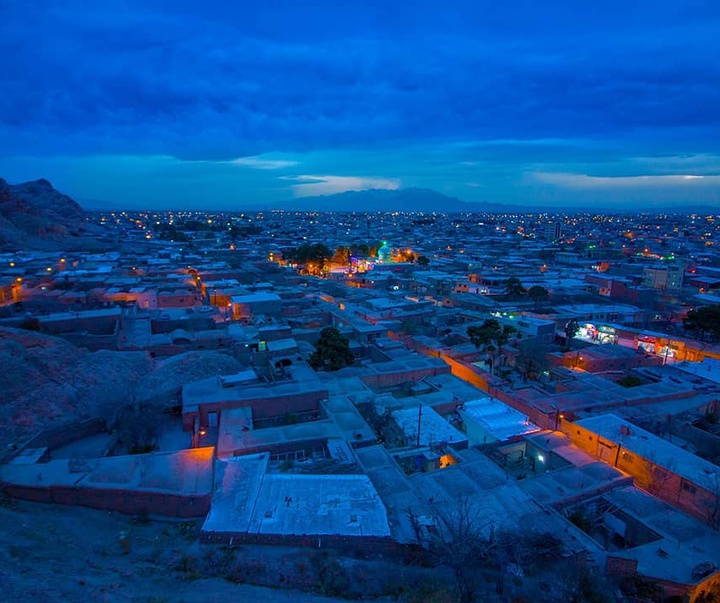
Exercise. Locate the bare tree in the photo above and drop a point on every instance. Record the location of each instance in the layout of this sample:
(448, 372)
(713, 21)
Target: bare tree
(658, 475)
(138, 428)
(465, 540)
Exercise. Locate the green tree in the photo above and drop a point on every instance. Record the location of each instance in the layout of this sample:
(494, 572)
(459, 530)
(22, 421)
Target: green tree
(360, 249)
(169, 232)
(309, 253)
(490, 337)
(703, 321)
(630, 381)
(571, 329)
(538, 294)
(332, 351)
(406, 255)
(138, 429)
(341, 256)
(514, 288)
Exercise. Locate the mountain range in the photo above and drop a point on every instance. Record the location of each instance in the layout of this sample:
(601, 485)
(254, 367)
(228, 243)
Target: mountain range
(401, 200)
(428, 200)
(34, 215)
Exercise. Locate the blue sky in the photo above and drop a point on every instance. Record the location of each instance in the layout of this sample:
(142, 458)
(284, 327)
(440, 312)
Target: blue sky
(217, 104)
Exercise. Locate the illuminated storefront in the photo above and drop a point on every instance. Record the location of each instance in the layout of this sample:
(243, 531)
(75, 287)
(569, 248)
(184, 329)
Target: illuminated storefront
(646, 343)
(607, 334)
(597, 333)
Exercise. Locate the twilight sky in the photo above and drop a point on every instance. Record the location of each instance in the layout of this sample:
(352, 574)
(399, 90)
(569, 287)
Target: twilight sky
(236, 104)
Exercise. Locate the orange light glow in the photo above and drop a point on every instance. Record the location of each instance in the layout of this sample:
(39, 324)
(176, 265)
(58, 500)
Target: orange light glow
(446, 460)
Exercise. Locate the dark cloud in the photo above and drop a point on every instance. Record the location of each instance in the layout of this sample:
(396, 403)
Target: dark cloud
(469, 100)
(176, 79)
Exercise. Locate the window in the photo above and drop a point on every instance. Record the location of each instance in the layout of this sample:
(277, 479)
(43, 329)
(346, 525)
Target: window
(689, 488)
(629, 458)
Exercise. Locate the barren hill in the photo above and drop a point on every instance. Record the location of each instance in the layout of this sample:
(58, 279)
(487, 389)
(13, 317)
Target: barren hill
(47, 382)
(33, 215)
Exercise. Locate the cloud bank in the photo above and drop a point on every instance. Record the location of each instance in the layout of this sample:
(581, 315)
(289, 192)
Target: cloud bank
(468, 101)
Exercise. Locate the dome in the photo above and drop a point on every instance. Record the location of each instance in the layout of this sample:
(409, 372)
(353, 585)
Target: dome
(384, 253)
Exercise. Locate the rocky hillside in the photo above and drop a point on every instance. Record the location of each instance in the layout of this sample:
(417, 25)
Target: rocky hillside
(162, 386)
(47, 382)
(34, 215)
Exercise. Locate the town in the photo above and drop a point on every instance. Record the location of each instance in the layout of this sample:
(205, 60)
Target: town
(495, 395)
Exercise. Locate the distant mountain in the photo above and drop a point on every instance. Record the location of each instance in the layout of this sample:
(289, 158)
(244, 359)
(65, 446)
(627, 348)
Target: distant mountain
(33, 215)
(403, 200)
(428, 200)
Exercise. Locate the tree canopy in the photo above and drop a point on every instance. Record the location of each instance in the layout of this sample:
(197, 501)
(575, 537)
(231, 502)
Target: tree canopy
(369, 249)
(332, 351)
(703, 321)
(490, 333)
(406, 255)
(538, 294)
(571, 329)
(490, 336)
(308, 252)
(514, 288)
(341, 255)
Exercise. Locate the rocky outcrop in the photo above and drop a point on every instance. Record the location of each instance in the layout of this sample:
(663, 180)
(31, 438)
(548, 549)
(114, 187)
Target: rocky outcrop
(34, 215)
(162, 386)
(46, 382)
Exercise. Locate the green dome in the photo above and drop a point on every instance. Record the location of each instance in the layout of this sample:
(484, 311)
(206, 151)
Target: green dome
(384, 252)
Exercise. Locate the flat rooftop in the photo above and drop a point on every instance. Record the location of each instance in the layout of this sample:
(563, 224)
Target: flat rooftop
(707, 369)
(299, 379)
(254, 298)
(433, 428)
(482, 487)
(248, 500)
(497, 418)
(188, 472)
(237, 437)
(649, 446)
(686, 542)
